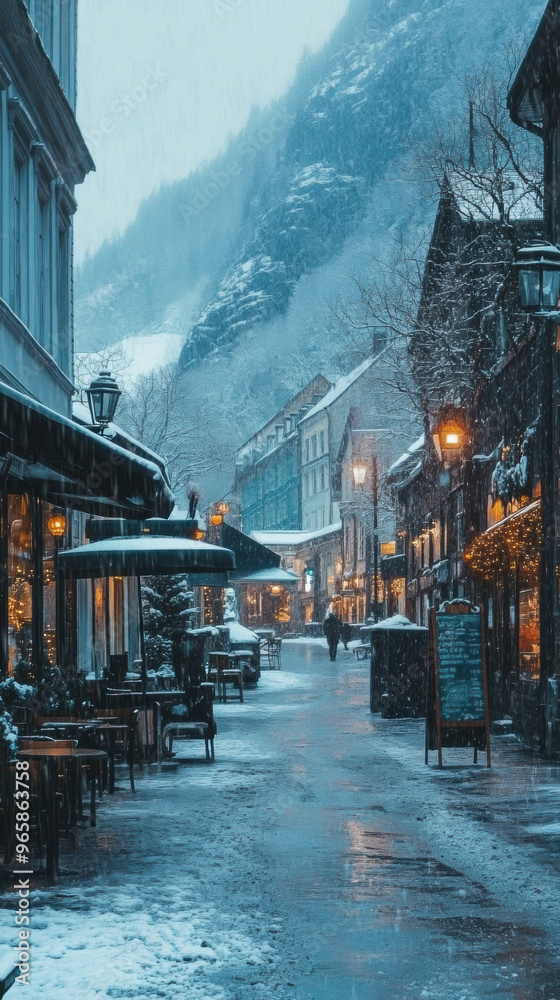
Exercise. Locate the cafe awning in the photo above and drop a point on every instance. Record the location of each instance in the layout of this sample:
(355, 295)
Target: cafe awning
(275, 574)
(514, 539)
(145, 555)
(72, 466)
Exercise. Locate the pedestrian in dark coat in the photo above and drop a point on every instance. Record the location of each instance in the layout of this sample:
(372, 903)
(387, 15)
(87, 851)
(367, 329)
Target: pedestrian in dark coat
(345, 634)
(331, 627)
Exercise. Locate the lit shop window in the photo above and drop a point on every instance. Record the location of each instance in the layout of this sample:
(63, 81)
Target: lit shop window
(20, 573)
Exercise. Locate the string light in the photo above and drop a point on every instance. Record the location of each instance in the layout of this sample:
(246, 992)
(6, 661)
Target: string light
(508, 545)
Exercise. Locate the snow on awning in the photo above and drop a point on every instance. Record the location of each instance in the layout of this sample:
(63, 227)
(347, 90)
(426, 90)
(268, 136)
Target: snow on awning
(273, 575)
(146, 555)
(397, 623)
(91, 472)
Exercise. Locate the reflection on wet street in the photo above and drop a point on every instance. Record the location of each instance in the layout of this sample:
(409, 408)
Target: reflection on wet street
(318, 857)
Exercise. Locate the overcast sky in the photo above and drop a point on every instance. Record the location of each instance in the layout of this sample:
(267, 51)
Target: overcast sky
(162, 83)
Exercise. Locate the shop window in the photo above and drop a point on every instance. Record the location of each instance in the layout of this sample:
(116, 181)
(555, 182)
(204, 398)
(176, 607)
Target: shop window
(529, 632)
(20, 575)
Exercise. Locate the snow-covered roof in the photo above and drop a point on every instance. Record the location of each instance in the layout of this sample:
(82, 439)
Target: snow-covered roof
(82, 415)
(409, 453)
(292, 538)
(475, 201)
(340, 386)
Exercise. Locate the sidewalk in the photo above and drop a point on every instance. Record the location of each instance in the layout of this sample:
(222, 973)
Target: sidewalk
(317, 859)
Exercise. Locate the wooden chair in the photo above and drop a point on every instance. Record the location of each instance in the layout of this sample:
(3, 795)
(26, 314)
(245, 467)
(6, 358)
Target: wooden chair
(144, 733)
(196, 723)
(275, 654)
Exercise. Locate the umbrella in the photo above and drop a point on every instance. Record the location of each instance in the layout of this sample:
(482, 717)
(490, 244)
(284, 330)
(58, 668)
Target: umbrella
(143, 555)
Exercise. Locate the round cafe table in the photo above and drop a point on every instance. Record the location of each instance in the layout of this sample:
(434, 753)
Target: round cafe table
(50, 757)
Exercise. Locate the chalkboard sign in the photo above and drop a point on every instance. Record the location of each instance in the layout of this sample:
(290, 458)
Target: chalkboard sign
(459, 668)
(456, 696)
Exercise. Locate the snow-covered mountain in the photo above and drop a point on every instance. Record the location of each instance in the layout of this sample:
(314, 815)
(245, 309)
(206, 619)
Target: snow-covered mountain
(242, 259)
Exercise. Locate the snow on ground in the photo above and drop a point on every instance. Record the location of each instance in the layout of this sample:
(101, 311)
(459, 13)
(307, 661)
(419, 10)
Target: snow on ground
(310, 641)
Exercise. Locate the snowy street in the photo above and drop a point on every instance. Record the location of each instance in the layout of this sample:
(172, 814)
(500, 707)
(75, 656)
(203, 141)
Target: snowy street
(316, 858)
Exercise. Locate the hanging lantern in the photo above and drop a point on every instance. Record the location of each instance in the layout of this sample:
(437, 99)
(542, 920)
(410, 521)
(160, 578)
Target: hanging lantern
(103, 396)
(223, 508)
(450, 435)
(359, 470)
(57, 523)
(216, 519)
(538, 269)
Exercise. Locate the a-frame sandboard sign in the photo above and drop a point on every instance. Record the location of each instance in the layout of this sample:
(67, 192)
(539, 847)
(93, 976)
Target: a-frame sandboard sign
(457, 712)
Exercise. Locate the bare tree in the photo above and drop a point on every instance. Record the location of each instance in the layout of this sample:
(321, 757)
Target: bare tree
(438, 296)
(156, 412)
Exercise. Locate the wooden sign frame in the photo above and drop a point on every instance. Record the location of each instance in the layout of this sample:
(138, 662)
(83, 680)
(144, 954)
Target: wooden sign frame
(433, 708)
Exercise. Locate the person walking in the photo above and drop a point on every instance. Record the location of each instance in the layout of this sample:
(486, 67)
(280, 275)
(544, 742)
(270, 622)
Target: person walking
(345, 634)
(332, 627)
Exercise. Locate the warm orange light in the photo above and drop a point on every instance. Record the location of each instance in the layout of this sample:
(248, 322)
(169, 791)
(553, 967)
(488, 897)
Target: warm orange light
(198, 534)
(450, 435)
(57, 524)
(216, 519)
(388, 548)
(276, 589)
(223, 507)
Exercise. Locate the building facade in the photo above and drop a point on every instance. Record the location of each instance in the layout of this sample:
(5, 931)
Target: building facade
(53, 470)
(267, 476)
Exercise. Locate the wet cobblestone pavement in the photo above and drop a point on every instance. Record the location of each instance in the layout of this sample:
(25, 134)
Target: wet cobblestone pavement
(318, 857)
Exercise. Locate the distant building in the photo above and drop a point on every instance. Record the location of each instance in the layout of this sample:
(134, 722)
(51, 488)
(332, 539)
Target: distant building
(364, 391)
(267, 466)
(314, 556)
(362, 507)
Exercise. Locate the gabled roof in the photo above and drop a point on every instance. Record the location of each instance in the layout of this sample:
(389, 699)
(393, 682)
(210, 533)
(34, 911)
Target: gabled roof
(342, 385)
(409, 457)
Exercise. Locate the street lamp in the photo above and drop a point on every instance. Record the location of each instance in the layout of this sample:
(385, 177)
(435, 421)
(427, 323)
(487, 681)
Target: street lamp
(57, 523)
(103, 396)
(538, 269)
(359, 471)
(450, 435)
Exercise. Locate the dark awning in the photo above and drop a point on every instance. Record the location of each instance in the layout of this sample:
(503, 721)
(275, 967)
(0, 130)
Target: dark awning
(72, 466)
(250, 555)
(145, 555)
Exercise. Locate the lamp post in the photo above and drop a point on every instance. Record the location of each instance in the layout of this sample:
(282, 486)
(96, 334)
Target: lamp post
(103, 396)
(359, 470)
(57, 524)
(538, 269)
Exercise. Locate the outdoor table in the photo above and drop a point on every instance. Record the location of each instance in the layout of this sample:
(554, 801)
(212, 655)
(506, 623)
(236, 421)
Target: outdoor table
(50, 759)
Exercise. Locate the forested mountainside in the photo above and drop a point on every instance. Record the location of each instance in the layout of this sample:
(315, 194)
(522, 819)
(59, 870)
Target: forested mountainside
(241, 259)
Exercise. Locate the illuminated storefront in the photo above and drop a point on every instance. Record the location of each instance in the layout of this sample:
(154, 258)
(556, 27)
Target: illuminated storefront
(505, 560)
